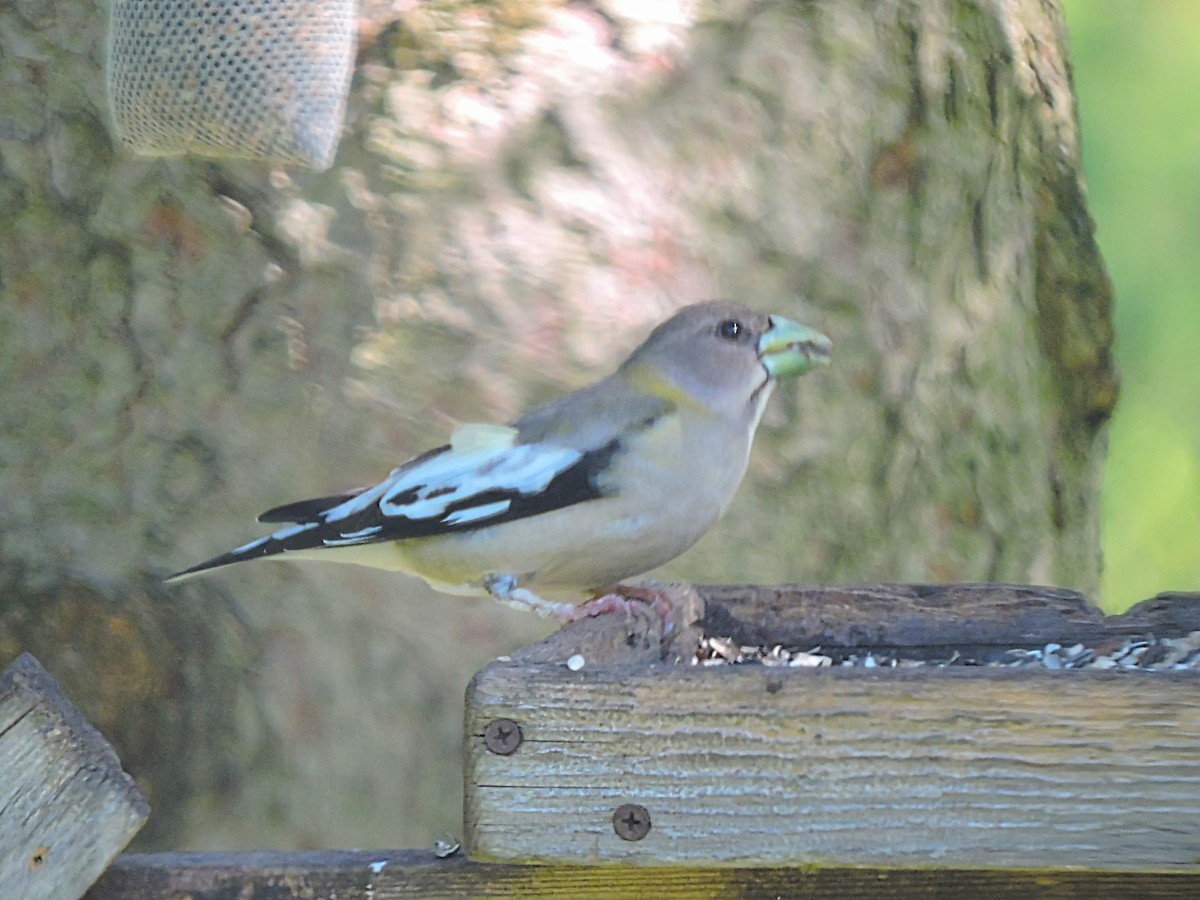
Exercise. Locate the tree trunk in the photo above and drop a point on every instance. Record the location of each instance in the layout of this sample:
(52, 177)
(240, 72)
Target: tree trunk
(522, 191)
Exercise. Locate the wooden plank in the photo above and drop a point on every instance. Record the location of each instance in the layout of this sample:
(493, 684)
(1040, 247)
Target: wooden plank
(410, 873)
(931, 617)
(925, 621)
(66, 807)
(750, 765)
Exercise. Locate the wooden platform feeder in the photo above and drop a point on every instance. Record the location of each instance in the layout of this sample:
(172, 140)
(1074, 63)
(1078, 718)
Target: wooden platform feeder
(635, 754)
(604, 762)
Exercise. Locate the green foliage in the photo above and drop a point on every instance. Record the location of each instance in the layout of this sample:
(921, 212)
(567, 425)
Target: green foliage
(1137, 74)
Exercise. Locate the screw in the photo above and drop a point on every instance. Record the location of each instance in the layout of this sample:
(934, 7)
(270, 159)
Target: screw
(502, 736)
(631, 822)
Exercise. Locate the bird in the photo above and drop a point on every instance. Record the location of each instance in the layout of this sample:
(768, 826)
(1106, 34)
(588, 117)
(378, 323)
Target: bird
(597, 486)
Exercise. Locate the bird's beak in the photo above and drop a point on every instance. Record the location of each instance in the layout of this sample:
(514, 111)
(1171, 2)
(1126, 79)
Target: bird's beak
(788, 348)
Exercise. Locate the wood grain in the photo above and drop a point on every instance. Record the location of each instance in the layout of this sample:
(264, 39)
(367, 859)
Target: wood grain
(387, 874)
(66, 807)
(922, 621)
(934, 617)
(752, 766)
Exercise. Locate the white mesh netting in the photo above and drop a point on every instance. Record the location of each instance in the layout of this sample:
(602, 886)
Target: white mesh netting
(246, 79)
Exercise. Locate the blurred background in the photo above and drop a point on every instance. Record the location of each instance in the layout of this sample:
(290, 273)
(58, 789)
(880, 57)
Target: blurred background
(238, 341)
(1137, 76)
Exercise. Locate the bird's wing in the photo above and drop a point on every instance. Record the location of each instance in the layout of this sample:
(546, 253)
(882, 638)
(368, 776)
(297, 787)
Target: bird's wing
(484, 476)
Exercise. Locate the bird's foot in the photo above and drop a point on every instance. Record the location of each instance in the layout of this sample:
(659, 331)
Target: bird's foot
(504, 588)
(602, 605)
(630, 599)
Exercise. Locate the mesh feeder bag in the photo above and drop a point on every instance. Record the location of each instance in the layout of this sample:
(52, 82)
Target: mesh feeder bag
(232, 79)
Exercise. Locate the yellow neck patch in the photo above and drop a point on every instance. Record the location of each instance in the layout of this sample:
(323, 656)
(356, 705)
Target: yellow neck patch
(652, 382)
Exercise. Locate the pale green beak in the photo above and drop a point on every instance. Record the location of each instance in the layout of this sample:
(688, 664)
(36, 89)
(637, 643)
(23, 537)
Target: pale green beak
(788, 348)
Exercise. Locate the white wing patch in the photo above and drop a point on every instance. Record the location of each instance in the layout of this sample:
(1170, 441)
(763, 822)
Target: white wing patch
(292, 530)
(475, 513)
(427, 491)
(353, 537)
(481, 462)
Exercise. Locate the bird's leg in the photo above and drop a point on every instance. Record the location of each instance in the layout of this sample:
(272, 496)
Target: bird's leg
(621, 599)
(600, 605)
(504, 588)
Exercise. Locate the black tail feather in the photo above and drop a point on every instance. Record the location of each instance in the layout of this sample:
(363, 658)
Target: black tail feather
(304, 511)
(300, 537)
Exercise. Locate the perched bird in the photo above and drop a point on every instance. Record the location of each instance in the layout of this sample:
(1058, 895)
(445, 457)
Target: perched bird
(599, 485)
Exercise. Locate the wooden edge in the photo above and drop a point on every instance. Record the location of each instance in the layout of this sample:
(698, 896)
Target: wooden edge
(67, 808)
(420, 873)
(751, 765)
(1171, 612)
(640, 638)
(27, 676)
(897, 615)
(924, 620)
(966, 617)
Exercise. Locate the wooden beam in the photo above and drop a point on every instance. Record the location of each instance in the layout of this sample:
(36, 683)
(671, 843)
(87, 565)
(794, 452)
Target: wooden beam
(749, 765)
(927, 621)
(753, 765)
(391, 874)
(756, 781)
(66, 807)
(931, 617)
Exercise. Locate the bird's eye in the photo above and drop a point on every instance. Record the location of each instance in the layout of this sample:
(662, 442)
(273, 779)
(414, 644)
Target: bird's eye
(730, 330)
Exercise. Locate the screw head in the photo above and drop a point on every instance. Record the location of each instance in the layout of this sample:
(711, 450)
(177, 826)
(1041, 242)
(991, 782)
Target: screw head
(631, 821)
(502, 736)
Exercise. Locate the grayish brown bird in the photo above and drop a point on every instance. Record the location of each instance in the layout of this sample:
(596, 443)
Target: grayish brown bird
(597, 486)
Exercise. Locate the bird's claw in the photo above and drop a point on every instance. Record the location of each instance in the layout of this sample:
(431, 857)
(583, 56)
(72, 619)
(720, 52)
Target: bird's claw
(630, 599)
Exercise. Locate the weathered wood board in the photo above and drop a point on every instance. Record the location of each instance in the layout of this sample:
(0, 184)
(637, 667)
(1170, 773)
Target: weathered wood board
(66, 806)
(751, 766)
(755, 766)
(384, 874)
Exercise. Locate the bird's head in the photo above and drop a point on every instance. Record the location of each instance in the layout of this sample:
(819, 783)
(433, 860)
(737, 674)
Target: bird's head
(718, 352)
